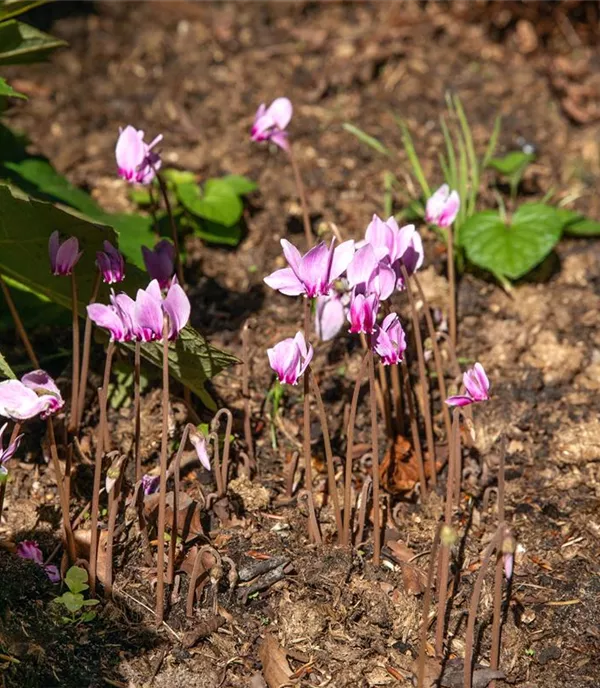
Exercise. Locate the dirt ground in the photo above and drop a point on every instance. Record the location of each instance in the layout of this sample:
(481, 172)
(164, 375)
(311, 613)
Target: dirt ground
(196, 73)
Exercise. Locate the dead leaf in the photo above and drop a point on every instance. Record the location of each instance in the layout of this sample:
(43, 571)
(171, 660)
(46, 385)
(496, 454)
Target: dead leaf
(453, 676)
(189, 513)
(276, 669)
(399, 470)
(83, 540)
(413, 577)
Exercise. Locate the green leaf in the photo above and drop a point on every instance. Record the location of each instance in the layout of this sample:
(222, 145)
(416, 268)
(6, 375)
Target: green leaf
(23, 44)
(8, 91)
(511, 250)
(362, 136)
(215, 233)
(25, 227)
(239, 184)
(511, 163)
(90, 603)
(177, 177)
(12, 8)
(72, 601)
(5, 369)
(567, 216)
(76, 579)
(88, 616)
(583, 228)
(219, 203)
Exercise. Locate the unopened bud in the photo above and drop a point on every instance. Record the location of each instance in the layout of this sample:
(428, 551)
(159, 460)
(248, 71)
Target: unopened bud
(448, 536)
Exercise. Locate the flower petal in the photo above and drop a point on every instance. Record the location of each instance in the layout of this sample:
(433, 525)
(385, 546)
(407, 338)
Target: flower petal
(281, 111)
(177, 306)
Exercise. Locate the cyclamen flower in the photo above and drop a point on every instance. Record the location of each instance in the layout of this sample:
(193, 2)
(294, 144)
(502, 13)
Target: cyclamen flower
(363, 313)
(270, 122)
(29, 549)
(8, 453)
(35, 394)
(314, 273)
(330, 314)
(198, 439)
(150, 309)
(117, 317)
(389, 340)
(290, 358)
(63, 257)
(150, 484)
(370, 276)
(442, 208)
(137, 162)
(477, 387)
(111, 264)
(160, 262)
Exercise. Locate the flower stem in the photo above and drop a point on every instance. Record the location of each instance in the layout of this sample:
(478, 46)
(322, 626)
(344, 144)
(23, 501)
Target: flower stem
(64, 503)
(423, 380)
(216, 462)
(226, 446)
(18, 323)
(76, 371)
(136, 411)
(426, 605)
(302, 195)
(362, 510)
(175, 470)
(414, 432)
(162, 501)
(375, 460)
(246, 391)
(85, 362)
(451, 287)
(328, 453)
(397, 399)
(98, 468)
(497, 617)
(346, 539)
(308, 477)
(165, 194)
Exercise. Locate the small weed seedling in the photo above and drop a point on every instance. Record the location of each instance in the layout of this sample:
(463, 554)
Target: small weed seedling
(73, 600)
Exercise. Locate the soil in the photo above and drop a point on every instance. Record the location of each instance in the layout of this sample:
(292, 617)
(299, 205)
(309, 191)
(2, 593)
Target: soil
(196, 72)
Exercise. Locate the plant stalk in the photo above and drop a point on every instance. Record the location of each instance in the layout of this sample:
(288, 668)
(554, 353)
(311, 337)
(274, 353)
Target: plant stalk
(498, 574)
(76, 369)
(85, 361)
(246, 391)
(302, 195)
(451, 287)
(18, 323)
(137, 405)
(375, 460)
(64, 502)
(426, 605)
(308, 477)
(414, 432)
(165, 194)
(226, 446)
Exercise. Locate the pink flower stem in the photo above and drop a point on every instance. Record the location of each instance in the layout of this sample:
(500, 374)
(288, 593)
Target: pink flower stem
(216, 462)
(98, 469)
(165, 194)
(308, 477)
(414, 432)
(76, 370)
(424, 382)
(302, 195)
(246, 392)
(451, 287)
(113, 510)
(136, 411)
(328, 453)
(426, 605)
(175, 471)
(397, 399)
(346, 538)
(18, 323)
(498, 574)
(85, 361)
(162, 501)
(375, 461)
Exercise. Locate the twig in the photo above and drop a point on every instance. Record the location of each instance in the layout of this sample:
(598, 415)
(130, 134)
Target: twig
(18, 323)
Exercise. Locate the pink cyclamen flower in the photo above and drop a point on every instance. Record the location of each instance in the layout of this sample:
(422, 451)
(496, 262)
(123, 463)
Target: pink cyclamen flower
(508, 560)
(111, 264)
(137, 162)
(116, 317)
(369, 275)
(330, 314)
(477, 387)
(389, 340)
(150, 483)
(35, 394)
(198, 439)
(313, 273)
(160, 262)
(8, 453)
(151, 308)
(270, 122)
(363, 313)
(63, 257)
(290, 358)
(29, 549)
(442, 208)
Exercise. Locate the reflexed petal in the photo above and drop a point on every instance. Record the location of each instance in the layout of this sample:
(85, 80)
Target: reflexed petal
(130, 150)
(363, 265)
(381, 237)
(285, 281)
(435, 204)
(280, 138)
(52, 572)
(108, 318)
(386, 279)
(29, 549)
(459, 400)
(19, 402)
(148, 316)
(414, 254)
(342, 257)
(281, 111)
(198, 439)
(450, 210)
(67, 256)
(177, 306)
(330, 316)
(404, 239)
(292, 255)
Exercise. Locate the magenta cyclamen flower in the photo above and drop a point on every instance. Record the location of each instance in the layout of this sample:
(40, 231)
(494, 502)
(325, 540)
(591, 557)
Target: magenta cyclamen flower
(111, 264)
(136, 160)
(35, 394)
(150, 309)
(313, 273)
(8, 453)
(389, 340)
(395, 246)
(29, 549)
(290, 358)
(477, 387)
(160, 262)
(370, 276)
(442, 208)
(117, 317)
(270, 122)
(363, 313)
(63, 257)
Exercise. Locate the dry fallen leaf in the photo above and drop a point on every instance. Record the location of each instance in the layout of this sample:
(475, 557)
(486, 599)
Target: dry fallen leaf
(413, 577)
(276, 670)
(399, 470)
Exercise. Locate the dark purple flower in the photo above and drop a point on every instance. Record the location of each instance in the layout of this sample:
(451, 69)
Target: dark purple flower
(150, 483)
(160, 262)
(63, 257)
(111, 264)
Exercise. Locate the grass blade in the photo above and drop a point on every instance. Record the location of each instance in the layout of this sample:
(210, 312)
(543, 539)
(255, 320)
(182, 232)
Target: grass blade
(363, 137)
(413, 158)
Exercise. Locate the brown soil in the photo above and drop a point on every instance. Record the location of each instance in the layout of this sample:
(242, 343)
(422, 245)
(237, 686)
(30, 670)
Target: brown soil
(196, 72)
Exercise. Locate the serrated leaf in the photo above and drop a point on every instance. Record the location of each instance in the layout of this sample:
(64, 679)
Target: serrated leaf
(515, 249)
(511, 162)
(23, 44)
(5, 370)
(363, 137)
(218, 203)
(9, 91)
(76, 579)
(239, 184)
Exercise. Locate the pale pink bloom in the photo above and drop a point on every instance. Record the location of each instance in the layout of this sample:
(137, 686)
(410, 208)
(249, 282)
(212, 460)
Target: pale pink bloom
(198, 439)
(136, 161)
(270, 122)
(150, 309)
(9, 452)
(290, 358)
(368, 275)
(313, 273)
(63, 256)
(330, 314)
(442, 208)
(389, 340)
(35, 394)
(477, 387)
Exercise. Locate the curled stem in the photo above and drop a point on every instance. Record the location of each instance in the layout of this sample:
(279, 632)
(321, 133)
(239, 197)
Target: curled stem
(226, 446)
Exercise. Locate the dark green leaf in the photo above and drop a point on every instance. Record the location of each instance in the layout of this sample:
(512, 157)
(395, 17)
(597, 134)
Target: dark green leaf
(5, 369)
(369, 140)
(90, 603)
(511, 163)
(218, 203)
(568, 217)
(22, 44)
(88, 616)
(511, 250)
(12, 8)
(239, 184)
(8, 91)
(215, 233)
